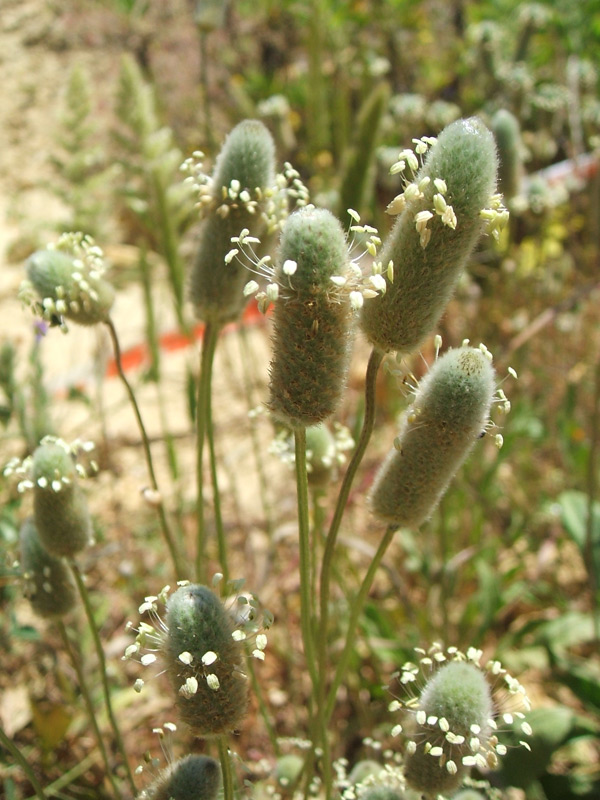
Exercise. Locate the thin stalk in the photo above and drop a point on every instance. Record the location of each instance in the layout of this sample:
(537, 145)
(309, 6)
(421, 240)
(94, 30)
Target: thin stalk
(22, 762)
(75, 661)
(316, 718)
(349, 645)
(220, 530)
(226, 769)
(85, 599)
(209, 344)
(53, 789)
(375, 360)
(164, 525)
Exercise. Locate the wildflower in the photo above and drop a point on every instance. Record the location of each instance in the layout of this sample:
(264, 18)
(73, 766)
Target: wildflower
(453, 705)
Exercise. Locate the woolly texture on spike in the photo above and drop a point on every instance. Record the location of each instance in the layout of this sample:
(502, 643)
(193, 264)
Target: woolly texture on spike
(248, 157)
(60, 508)
(190, 778)
(204, 663)
(48, 581)
(74, 292)
(449, 412)
(460, 695)
(465, 158)
(312, 320)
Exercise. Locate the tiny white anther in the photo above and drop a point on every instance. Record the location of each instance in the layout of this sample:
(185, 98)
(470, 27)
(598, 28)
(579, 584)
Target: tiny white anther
(258, 654)
(189, 688)
(272, 292)
(231, 255)
(261, 641)
(354, 214)
(251, 288)
(356, 300)
(436, 752)
(396, 730)
(444, 724)
(411, 748)
(512, 372)
(378, 282)
(138, 685)
(147, 659)
(289, 267)
(451, 767)
(338, 280)
(421, 717)
(56, 485)
(209, 658)
(238, 635)
(186, 658)
(526, 728)
(212, 682)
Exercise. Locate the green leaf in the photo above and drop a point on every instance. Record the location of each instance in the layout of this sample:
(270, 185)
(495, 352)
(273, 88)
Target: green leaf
(583, 679)
(574, 507)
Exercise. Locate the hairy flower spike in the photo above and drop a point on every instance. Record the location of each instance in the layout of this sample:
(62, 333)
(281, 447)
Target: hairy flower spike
(48, 581)
(212, 691)
(190, 778)
(449, 412)
(451, 725)
(243, 171)
(430, 253)
(66, 280)
(60, 508)
(312, 320)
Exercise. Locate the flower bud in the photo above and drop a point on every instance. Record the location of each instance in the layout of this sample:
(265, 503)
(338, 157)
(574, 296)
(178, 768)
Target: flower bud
(245, 164)
(204, 662)
(190, 778)
(312, 320)
(60, 508)
(48, 581)
(426, 268)
(448, 414)
(67, 287)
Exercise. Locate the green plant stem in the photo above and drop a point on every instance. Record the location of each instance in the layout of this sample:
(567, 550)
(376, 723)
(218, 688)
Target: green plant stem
(209, 344)
(344, 660)
(226, 769)
(75, 661)
(375, 360)
(22, 762)
(316, 718)
(85, 599)
(220, 530)
(166, 531)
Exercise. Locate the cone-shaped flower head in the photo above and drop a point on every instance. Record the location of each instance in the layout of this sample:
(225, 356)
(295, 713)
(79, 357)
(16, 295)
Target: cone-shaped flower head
(205, 662)
(449, 412)
(67, 280)
(49, 584)
(453, 719)
(193, 777)
(60, 508)
(433, 236)
(244, 170)
(312, 319)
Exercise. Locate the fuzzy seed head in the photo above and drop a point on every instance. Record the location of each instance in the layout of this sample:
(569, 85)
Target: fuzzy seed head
(193, 777)
(48, 581)
(243, 171)
(212, 691)
(67, 282)
(312, 320)
(429, 250)
(449, 412)
(60, 508)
